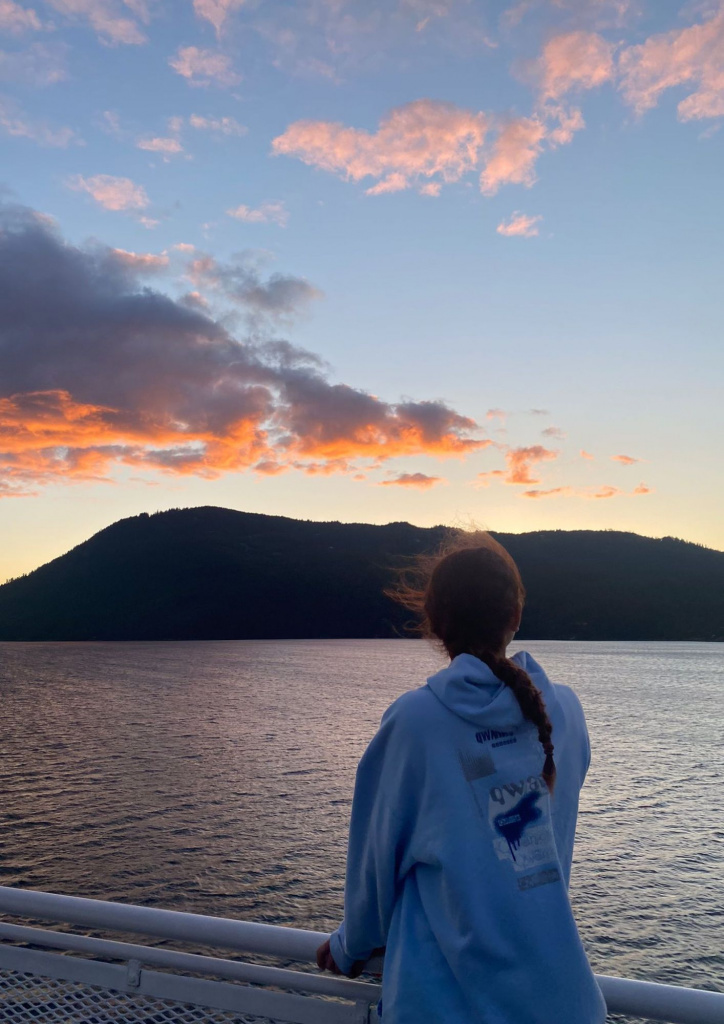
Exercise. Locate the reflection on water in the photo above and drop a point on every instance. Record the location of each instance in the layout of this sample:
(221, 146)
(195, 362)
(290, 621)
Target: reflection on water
(217, 777)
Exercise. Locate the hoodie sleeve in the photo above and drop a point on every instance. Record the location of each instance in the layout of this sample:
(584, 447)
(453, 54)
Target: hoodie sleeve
(382, 825)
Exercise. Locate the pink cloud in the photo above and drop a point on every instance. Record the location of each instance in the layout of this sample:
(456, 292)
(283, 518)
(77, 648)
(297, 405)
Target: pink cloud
(216, 11)
(642, 489)
(267, 213)
(111, 193)
(554, 432)
(574, 60)
(15, 19)
(496, 414)
(166, 145)
(586, 455)
(625, 460)
(521, 460)
(419, 480)
(140, 261)
(516, 149)
(520, 225)
(692, 56)
(105, 18)
(422, 139)
(204, 67)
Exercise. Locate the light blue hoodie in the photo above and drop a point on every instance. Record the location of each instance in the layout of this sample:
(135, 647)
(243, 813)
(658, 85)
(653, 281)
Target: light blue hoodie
(459, 859)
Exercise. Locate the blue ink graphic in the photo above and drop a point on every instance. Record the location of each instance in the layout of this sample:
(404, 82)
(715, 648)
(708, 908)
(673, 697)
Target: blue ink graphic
(511, 824)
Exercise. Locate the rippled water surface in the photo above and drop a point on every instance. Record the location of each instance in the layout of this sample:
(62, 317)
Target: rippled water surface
(217, 777)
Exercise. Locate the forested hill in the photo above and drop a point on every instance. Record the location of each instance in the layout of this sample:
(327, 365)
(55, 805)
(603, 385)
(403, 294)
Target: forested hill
(213, 573)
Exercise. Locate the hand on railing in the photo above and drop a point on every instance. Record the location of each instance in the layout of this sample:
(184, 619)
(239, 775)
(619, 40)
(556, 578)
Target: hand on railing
(325, 961)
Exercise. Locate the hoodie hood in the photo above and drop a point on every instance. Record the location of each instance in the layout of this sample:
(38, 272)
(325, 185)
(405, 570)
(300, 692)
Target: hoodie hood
(469, 689)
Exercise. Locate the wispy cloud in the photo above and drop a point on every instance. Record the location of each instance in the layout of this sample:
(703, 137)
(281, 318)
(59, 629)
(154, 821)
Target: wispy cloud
(586, 455)
(520, 225)
(14, 121)
(166, 145)
(216, 11)
(106, 18)
(692, 57)
(79, 395)
(140, 262)
(204, 67)
(625, 460)
(41, 64)
(418, 480)
(220, 125)
(554, 432)
(110, 192)
(552, 492)
(421, 140)
(267, 213)
(15, 19)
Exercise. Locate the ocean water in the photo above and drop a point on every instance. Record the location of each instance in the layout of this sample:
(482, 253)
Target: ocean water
(217, 777)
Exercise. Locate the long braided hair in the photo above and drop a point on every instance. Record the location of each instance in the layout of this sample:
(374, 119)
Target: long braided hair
(469, 597)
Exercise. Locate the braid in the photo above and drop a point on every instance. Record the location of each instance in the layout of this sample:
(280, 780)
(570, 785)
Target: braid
(531, 704)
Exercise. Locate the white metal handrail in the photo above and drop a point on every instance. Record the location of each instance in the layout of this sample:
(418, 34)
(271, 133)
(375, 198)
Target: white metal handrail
(672, 1004)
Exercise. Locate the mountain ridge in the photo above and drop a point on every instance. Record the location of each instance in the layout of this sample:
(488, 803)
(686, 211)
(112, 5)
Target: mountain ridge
(214, 573)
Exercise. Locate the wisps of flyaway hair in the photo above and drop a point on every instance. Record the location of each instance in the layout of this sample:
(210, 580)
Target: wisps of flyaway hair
(98, 370)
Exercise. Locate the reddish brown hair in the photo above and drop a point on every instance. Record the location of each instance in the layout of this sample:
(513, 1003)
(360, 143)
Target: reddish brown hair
(468, 597)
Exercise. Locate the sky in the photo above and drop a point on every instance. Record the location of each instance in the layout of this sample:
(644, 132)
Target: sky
(443, 261)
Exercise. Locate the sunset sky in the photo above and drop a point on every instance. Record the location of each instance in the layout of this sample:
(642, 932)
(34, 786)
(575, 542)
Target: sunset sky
(367, 260)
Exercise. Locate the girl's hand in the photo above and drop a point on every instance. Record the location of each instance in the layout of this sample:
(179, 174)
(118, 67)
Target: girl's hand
(325, 960)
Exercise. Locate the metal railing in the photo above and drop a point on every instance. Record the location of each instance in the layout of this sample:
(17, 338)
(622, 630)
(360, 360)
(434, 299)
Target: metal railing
(106, 981)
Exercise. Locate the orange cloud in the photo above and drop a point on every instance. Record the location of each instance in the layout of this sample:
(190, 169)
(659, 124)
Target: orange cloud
(111, 193)
(519, 225)
(418, 480)
(551, 493)
(606, 491)
(104, 371)
(642, 489)
(520, 461)
(483, 479)
(586, 455)
(625, 460)
(692, 56)
(204, 67)
(420, 140)
(574, 60)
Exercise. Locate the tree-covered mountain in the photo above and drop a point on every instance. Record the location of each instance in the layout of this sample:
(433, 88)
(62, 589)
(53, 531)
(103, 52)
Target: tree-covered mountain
(213, 573)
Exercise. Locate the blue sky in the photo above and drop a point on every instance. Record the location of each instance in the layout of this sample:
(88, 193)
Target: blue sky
(455, 207)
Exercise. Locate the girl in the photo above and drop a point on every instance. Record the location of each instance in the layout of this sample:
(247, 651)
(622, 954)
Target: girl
(463, 821)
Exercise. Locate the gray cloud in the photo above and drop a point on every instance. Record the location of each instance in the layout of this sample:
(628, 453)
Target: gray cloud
(97, 369)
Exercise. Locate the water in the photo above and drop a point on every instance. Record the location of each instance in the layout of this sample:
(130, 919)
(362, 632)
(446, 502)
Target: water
(217, 777)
